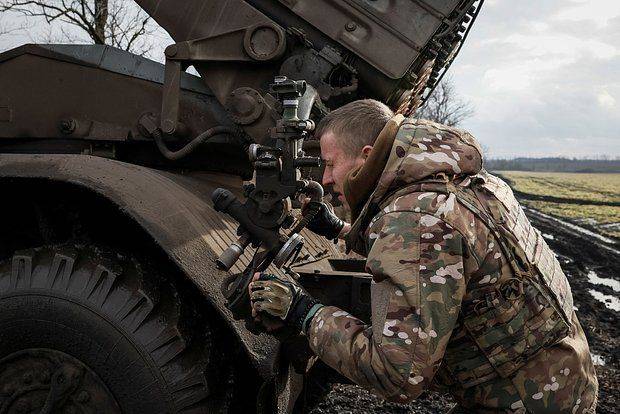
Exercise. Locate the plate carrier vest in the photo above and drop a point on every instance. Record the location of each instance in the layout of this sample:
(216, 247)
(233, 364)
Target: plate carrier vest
(529, 312)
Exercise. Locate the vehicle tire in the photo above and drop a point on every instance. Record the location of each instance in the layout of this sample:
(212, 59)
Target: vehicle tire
(83, 330)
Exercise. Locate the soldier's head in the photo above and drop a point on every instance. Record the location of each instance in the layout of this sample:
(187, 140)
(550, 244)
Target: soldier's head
(347, 135)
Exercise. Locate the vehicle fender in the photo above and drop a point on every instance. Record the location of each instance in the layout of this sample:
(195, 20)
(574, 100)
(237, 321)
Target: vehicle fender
(174, 209)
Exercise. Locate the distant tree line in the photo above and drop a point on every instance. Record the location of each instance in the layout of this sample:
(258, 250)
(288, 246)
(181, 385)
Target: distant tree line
(555, 164)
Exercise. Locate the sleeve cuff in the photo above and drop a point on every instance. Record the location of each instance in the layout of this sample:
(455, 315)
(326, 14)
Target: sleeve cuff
(309, 316)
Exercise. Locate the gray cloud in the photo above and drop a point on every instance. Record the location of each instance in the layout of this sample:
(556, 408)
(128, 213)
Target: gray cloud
(544, 78)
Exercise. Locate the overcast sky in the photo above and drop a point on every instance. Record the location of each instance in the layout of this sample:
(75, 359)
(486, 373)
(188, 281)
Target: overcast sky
(543, 76)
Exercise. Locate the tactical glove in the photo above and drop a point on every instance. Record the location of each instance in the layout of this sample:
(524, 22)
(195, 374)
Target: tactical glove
(324, 223)
(284, 299)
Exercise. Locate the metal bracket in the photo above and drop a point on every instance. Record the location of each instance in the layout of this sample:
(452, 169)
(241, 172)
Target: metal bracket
(261, 42)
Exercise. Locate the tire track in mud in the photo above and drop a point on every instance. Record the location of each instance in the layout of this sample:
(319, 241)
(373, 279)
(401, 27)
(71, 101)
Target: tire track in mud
(564, 200)
(540, 219)
(592, 265)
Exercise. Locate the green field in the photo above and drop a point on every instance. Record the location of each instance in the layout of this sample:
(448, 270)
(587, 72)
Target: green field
(578, 197)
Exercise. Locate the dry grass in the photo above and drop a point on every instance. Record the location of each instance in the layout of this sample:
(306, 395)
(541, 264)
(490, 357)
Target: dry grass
(586, 187)
(572, 186)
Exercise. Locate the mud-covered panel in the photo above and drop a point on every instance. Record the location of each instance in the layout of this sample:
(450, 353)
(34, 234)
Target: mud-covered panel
(355, 29)
(90, 98)
(191, 19)
(174, 210)
(389, 34)
(415, 21)
(46, 86)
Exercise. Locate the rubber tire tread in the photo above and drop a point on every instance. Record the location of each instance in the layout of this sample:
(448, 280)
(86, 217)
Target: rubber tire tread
(105, 310)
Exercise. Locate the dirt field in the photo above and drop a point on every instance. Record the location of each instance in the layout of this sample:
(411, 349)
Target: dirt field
(590, 200)
(590, 260)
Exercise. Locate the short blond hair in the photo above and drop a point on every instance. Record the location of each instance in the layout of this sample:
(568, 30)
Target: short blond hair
(357, 123)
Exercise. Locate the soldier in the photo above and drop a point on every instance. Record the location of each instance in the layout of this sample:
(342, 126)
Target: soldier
(466, 295)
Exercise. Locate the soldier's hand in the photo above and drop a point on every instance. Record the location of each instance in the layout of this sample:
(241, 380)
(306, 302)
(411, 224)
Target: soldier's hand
(325, 222)
(280, 299)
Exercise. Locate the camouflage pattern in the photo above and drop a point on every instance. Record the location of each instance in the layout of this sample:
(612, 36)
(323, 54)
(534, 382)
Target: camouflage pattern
(451, 310)
(272, 295)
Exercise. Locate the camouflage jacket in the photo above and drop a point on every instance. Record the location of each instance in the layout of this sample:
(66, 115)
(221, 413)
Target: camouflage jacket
(437, 320)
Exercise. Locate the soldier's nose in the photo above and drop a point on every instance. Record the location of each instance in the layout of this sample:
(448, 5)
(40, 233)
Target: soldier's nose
(327, 179)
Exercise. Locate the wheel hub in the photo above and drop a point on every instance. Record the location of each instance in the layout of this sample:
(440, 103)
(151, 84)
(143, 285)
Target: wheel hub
(47, 381)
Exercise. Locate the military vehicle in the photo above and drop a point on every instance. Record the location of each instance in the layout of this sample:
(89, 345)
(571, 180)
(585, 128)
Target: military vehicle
(110, 297)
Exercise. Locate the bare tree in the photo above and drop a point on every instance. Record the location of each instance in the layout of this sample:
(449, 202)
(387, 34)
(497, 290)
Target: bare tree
(445, 106)
(6, 29)
(3, 29)
(118, 23)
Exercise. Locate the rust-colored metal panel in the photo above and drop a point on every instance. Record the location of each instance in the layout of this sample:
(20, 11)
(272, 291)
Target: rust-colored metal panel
(414, 21)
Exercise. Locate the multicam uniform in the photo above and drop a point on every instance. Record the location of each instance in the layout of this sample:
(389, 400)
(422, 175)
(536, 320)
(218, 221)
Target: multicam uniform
(466, 294)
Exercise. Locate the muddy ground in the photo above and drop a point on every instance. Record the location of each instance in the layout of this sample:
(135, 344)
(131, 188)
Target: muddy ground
(585, 258)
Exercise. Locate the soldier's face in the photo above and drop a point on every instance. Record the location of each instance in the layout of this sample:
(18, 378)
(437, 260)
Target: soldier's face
(338, 163)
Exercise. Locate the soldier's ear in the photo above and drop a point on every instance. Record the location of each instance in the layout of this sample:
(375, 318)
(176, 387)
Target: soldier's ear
(366, 151)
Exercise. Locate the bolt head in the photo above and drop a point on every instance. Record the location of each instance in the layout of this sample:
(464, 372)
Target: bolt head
(350, 26)
(171, 50)
(83, 396)
(67, 126)
(167, 126)
(27, 378)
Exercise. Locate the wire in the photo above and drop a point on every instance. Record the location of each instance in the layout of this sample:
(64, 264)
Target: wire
(192, 145)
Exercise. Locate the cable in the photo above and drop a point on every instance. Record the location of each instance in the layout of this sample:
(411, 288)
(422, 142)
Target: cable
(193, 144)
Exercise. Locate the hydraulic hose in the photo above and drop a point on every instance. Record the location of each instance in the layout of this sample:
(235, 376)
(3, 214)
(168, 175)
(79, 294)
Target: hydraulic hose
(192, 145)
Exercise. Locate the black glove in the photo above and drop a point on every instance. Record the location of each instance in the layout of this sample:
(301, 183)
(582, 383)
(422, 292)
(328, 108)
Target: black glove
(324, 223)
(284, 299)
